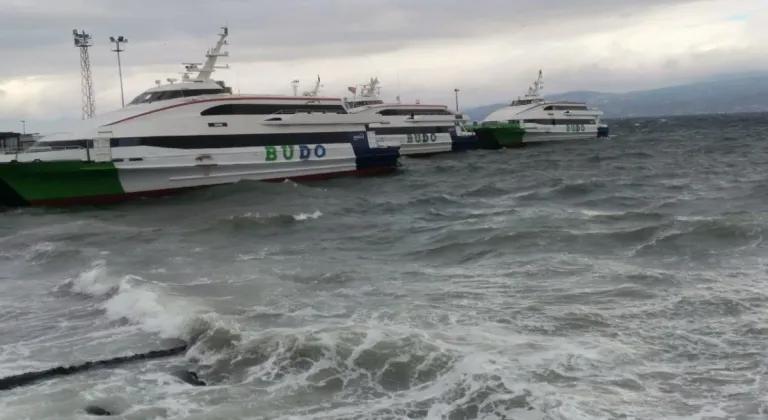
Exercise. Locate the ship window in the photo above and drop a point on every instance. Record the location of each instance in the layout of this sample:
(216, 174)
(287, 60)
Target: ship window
(566, 108)
(238, 140)
(413, 130)
(355, 104)
(211, 141)
(147, 97)
(413, 111)
(574, 121)
(269, 109)
(58, 145)
(130, 141)
(540, 121)
(142, 98)
(561, 121)
(169, 94)
(197, 92)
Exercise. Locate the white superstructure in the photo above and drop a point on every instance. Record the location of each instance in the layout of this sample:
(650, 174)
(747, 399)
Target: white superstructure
(548, 120)
(418, 129)
(196, 132)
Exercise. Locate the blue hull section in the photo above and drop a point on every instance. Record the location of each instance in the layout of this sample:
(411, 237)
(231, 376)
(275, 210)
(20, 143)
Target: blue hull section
(602, 132)
(373, 160)
(464, 142)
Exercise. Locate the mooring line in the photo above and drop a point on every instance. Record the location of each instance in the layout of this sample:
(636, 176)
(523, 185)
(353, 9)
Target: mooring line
(22, 379)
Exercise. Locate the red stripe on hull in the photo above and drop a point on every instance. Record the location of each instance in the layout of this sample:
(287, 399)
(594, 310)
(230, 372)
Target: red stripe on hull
(221, 99)
(118, 198)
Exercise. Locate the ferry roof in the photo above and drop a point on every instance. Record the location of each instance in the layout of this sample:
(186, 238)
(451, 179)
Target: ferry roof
(186, 86)
(400, 105)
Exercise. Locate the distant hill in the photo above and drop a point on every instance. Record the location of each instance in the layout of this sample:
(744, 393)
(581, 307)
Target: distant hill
(724, 95)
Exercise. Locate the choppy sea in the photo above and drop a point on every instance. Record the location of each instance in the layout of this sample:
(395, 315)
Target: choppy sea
(619, 278)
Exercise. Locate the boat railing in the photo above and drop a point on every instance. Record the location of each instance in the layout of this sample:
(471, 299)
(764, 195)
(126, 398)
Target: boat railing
(37, 149)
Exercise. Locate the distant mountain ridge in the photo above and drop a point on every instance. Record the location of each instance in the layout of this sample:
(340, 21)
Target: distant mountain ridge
(722, 95)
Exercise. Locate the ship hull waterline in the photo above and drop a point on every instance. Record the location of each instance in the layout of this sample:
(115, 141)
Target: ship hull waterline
(500, 136)
(77, 182)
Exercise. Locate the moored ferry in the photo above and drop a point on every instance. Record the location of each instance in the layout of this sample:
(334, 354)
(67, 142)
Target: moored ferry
(533, 119)
(419, 129)
(190, 134)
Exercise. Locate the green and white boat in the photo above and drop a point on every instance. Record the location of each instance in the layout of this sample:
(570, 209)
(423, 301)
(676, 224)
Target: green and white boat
(193, 134)
(533, 119)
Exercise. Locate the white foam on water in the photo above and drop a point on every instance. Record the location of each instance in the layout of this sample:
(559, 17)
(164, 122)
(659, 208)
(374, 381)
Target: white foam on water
(306, 216)
(94, 281)
(131, 298)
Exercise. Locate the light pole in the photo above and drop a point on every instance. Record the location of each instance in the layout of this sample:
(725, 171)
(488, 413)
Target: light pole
(456, 92)
(117, 42)
(23, 127)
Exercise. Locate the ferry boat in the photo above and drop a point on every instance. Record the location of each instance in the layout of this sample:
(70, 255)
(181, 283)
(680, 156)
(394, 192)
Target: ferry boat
(418, 129)
(534, 119)
(195, 133)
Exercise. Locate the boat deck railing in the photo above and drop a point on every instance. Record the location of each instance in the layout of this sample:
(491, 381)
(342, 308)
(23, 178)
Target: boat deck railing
(49, 149)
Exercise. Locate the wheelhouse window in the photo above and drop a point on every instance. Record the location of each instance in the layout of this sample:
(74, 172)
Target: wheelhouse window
(148, 97)
(355, 104)
(518, 102)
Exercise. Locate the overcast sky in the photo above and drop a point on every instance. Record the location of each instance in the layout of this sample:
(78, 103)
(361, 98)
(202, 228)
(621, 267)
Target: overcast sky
(419, 49)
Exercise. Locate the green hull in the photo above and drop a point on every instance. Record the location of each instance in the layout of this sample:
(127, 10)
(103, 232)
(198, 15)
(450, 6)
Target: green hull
(497, 136)
(35, 183)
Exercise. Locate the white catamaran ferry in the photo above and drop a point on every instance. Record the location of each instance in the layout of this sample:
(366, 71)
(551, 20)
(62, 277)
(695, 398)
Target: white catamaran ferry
(190, 134)
(418, 129)
(535, 119)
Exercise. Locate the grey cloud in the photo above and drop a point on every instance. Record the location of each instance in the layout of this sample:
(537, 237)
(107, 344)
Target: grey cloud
(287, 30)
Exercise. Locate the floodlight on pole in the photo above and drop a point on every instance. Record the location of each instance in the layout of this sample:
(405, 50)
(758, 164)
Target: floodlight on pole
(83, 42)
(456, 93)
(117, 41)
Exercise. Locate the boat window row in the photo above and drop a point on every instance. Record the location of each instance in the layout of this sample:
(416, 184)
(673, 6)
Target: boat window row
(414, 130)
(59, 145)
(519, 102)
(356, 104)
(556, 121)
(414, 111)
(173, 94)
(211, 141)
(269, 109)
(566, 108)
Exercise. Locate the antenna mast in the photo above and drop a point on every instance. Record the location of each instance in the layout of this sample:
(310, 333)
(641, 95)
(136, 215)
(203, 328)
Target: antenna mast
(315, 90)
(372, 88)
(538, 85)
(295, 87)
(83, 41)
(204, 73)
